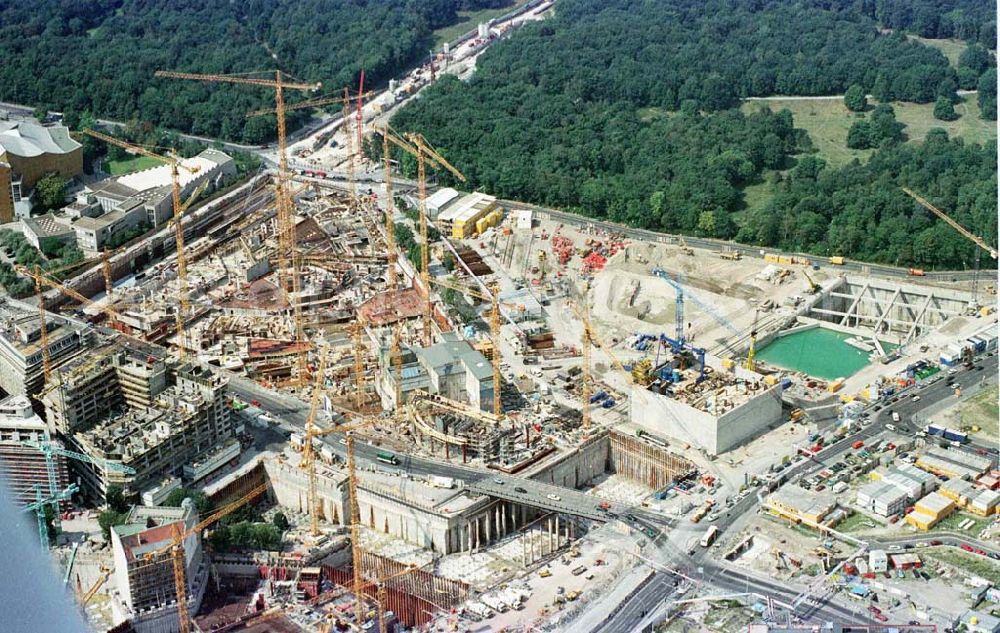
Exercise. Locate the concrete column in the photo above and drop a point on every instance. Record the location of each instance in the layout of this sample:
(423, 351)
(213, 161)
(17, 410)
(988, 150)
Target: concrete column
(558, 545)
(503, 517)
(475, 533)
(490, 516)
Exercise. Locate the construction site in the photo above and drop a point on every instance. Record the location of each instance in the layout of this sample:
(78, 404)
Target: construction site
(467, 413)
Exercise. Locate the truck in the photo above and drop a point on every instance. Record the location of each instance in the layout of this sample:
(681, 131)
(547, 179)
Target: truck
(710, 536)
(917, 272)
(441, 482)
(597, 397)
(955, 436)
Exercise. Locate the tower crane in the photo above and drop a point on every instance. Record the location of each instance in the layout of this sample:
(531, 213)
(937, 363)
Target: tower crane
(589, 339)
(359, 361)
(492, 296)
(175, 549)
(43, 330)
(286, 221)
(975, 239)
(348, 134)
(390, 225)
(50, 450)
(417, 145)
(752, 351)
(175, 164)
(309, 103)
(39, 505)
(396, 353)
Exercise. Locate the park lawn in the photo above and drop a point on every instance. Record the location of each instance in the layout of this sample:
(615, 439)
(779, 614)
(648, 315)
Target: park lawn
(951, 48)
(467, 21)
(828, 120)
(122, 167)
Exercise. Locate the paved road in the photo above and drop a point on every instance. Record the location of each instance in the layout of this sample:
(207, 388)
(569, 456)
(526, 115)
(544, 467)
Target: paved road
(746, 250)
(294, 412)
(630, 616)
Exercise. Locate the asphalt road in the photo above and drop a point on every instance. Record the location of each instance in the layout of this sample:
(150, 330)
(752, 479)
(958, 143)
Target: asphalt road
(748, 251)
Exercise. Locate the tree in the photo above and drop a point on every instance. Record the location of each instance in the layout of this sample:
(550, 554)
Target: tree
(975, 58)
(51, 192)
(41, 113)
(859, 136)
(108, 519)
(201, 501)
(280, 521)
(944, 109)
(884, 127)
(855, 99)
(115, 499)
(987, 95)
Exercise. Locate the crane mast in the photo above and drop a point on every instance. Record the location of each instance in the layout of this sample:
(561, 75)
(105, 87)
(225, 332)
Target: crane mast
(390, 225)
(288, 273)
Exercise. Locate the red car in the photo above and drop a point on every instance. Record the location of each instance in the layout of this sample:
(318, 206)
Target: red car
(935, 542)
(980, 552)
(966, 547)
(255, 403)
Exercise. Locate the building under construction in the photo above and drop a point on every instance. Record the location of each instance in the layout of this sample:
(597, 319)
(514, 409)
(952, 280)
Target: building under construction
(710, 404)
(124, 405)
(143, 573)
(21, 357)
(24, 468)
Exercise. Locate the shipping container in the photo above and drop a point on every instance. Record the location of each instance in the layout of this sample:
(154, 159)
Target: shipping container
(837, 260)
(934, 429)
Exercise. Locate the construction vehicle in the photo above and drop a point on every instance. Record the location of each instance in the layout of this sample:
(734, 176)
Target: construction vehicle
(288, 270)
(731, 255)
(812, 287)
(426, 155)
(105, 574)
(687, 250)
(175, 549)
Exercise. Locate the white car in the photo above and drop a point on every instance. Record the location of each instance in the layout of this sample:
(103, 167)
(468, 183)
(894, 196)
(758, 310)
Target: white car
(890, 427)
(554, 497)
(498, 481)
(712, 517)
(915, 398)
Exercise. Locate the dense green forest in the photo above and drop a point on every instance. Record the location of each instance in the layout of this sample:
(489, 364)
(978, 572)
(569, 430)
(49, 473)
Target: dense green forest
(623, 109)
(100, 55)
(859, 211)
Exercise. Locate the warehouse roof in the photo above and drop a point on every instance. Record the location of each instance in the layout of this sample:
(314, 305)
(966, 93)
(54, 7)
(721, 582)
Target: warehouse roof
(467, 207)
(28, 139)
(935, 502)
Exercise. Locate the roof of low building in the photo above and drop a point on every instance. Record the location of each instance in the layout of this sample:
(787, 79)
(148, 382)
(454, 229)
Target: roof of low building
(48, 225)
(28, 139)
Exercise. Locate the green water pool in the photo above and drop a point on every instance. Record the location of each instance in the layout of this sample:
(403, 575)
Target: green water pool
(819, 352)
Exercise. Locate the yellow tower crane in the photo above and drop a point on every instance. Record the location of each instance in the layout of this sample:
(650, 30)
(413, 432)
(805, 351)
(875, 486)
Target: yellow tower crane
(752, 350)
(490, 295)
(175, 165)
(425, 154)
(359, 361)
(286, 220)
(175, 548)
(588, 339)
(390, 225)
(975, 239)
(396, 354)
